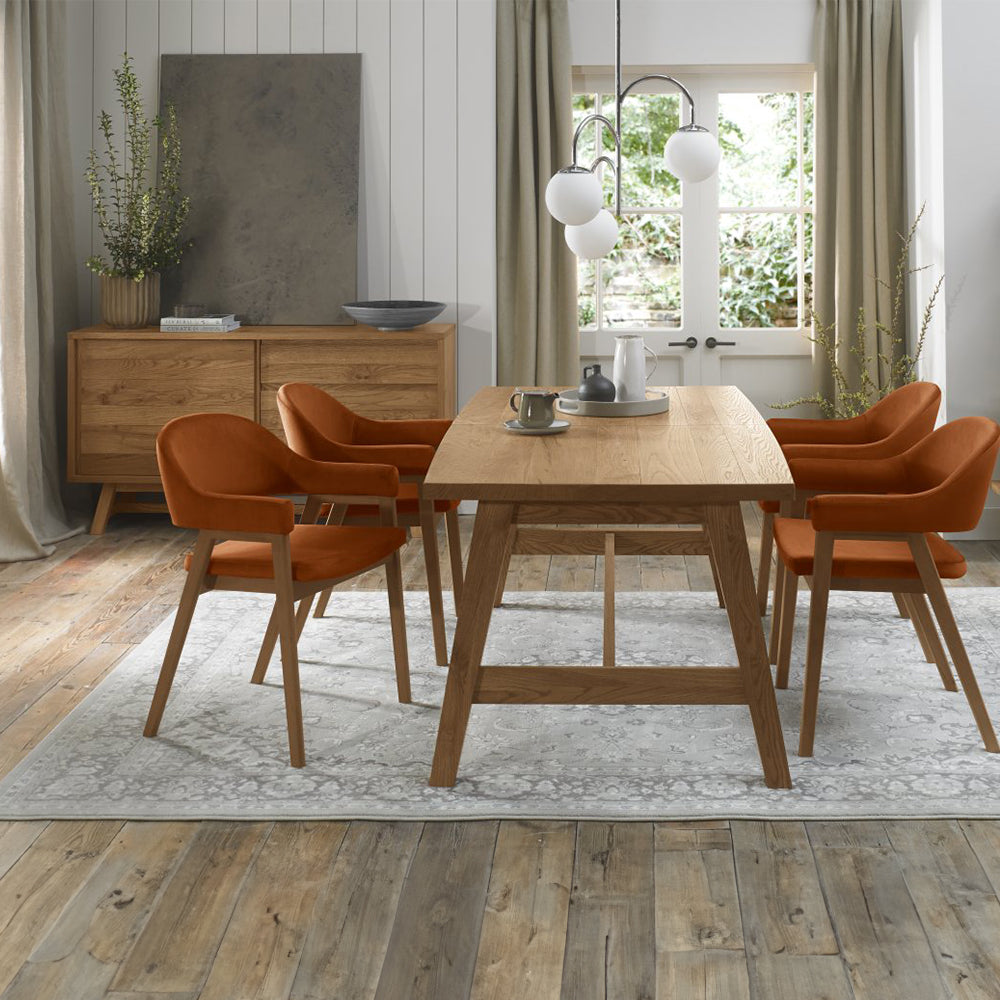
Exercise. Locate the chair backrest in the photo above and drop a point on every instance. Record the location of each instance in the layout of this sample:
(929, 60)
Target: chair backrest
(905, 416)
(956, 461)
(311, 417)
(218, 453)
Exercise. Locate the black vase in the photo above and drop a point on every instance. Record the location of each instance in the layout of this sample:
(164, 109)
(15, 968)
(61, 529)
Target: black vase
(596, 388)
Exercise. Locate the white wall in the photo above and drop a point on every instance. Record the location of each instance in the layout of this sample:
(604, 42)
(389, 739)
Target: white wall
(426, 220)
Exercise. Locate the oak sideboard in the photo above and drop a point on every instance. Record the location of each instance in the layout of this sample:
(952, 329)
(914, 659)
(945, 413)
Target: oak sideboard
(124, 385)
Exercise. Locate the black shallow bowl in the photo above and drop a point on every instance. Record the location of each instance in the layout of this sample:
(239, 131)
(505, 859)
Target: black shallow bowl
(394, 314)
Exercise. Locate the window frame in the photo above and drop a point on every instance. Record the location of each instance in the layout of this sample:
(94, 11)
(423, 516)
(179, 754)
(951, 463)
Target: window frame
(699, 210)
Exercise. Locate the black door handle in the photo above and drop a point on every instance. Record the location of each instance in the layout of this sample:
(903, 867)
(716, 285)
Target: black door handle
(690, 342)
(712, 342)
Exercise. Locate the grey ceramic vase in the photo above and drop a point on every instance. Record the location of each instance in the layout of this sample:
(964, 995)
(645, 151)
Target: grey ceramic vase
(596, 388)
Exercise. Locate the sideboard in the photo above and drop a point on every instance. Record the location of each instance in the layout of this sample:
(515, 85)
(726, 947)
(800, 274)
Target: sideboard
(124, 385)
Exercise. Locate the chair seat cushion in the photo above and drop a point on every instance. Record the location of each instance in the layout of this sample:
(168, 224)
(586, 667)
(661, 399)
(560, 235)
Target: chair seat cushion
(769, 506)
(319, 552)
(885, 560)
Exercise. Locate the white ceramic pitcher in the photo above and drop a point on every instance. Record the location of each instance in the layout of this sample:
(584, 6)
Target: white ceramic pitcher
(630, 374)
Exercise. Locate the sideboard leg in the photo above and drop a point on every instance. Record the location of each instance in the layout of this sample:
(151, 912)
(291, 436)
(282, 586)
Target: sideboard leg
(105, 507)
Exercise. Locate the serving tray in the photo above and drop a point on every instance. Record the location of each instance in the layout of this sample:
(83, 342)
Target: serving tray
(656, 401)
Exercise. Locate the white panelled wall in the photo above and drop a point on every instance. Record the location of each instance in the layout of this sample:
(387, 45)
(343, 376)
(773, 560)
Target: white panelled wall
(426, 203)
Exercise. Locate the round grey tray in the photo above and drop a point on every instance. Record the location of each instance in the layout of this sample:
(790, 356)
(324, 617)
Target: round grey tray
(656, 401)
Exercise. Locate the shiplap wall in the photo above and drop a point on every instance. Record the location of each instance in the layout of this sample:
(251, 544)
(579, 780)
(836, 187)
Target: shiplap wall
(426, 224)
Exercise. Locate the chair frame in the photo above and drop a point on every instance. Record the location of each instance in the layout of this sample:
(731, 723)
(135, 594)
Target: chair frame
(910, 592)
(285, 624)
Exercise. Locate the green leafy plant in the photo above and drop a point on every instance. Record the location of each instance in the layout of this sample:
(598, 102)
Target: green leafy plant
(899, 365)
(140, 223)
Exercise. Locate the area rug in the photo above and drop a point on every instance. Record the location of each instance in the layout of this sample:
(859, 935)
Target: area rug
(891, 742)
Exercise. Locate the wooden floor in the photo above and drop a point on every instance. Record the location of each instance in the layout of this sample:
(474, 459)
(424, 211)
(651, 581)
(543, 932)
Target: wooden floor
(443, 911)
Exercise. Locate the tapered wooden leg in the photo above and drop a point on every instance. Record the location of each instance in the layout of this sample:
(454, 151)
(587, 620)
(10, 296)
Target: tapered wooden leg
(921, 615)
(397, 618)
(182, 622)
(902, 606)
(952, 637)
(822, 566)
(729, 542)
(454, 553)
(266, 648)
(301, 614)
(311, 510)
(103, 510)
(764, 566)
(786, 627)
(428, 535)
(285, 609)
(505, 566)
(779, 584)
(715, 577)
(609, 599)
(903, 603)
(489, 539)
(336, 515)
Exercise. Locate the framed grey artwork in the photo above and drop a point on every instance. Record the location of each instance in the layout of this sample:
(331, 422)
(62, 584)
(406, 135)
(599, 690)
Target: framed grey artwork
(270, 147)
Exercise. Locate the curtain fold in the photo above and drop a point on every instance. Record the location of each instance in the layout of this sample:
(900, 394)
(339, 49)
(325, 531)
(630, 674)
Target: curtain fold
(537, 331)
(860, 176)
(37, 275)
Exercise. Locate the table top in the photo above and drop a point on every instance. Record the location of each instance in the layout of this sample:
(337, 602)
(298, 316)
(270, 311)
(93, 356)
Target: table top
(710, 446)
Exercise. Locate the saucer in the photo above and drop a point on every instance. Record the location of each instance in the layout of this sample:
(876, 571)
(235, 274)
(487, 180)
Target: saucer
(556, 427)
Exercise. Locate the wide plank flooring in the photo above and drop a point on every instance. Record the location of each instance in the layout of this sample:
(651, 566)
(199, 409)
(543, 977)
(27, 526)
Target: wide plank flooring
(445, 911)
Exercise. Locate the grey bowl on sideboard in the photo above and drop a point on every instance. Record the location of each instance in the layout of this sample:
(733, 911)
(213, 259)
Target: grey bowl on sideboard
(394, 314)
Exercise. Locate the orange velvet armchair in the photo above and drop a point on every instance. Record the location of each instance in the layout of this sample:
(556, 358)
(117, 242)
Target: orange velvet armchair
(225, 476)
(320, 427)
(885, 539)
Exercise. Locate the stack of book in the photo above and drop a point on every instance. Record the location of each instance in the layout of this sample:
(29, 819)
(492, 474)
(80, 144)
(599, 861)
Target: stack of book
(210, 323)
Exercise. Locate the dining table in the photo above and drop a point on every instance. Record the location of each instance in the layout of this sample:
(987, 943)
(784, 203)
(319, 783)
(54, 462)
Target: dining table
(611, 485)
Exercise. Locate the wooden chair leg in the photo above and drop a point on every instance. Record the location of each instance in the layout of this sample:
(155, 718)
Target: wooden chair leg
(301, 614)
(182, 622)
(505, 567)
(942, 610)
(902, 605)
(786, 627)
(609, 599)
(921, 615)
(397, 618)
(903, 602)
(284, 607)
(428, 533)
(336, 515)
(454, 554)
(779, 582)
(822, 566)
(266, 648)
(715, 577)
(764, 566)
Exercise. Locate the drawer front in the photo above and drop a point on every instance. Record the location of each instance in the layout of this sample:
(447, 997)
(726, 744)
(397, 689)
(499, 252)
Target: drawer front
(394, 380)
(127, 390)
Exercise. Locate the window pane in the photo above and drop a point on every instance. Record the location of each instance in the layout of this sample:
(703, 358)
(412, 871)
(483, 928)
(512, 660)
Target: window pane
(808, 146)
(641, 278)
(759, 138)
(758, 270)
(586, 299)
(807, 269)
(648, 121)
(583, 105)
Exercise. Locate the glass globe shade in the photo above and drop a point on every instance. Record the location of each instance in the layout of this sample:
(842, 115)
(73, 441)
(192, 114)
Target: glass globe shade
(692, 155)
(573, 197)
(595, 238)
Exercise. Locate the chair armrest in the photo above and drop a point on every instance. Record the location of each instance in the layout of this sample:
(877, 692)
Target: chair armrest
(886, 448)
(881, 513)
(425, 432)
(355, 478)
(842, 475)
(225, 512)
(793, 430)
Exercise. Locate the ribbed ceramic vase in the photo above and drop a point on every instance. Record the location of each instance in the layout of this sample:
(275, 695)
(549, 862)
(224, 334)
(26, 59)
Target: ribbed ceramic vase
(129, 303)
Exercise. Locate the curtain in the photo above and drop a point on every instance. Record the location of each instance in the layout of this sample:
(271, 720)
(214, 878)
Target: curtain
(860, 176)
(537, 331)
(37, 274)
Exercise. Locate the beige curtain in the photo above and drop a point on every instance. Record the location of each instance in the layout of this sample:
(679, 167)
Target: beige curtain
(860, 181)
(37, 274)
(537, 330)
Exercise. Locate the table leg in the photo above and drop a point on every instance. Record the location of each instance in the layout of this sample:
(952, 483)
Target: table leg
(729, 541)
(482, 576)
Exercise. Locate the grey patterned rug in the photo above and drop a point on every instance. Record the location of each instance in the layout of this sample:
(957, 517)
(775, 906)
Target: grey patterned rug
(891, 742)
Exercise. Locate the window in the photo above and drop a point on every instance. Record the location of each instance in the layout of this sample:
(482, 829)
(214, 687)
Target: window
(731, 253)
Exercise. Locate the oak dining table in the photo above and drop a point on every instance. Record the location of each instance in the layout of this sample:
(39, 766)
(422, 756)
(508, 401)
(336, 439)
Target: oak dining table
(621, 484)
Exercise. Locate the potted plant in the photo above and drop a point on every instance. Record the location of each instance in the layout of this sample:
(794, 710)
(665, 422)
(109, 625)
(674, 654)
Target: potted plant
(140, 223)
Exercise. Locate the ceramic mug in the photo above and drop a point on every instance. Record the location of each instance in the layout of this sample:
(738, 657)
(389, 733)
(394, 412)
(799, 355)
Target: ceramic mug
(533, 407)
